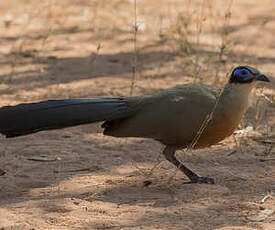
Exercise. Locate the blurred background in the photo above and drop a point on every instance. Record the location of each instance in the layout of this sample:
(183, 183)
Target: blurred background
(52, 49)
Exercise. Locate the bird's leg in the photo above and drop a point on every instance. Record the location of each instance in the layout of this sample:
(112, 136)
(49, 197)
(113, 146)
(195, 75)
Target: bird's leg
(169, 153)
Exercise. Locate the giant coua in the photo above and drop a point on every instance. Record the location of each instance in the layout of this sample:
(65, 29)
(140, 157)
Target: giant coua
(190, 115)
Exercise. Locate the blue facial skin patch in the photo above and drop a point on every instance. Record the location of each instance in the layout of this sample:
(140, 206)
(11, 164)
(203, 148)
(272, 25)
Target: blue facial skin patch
(241, 75)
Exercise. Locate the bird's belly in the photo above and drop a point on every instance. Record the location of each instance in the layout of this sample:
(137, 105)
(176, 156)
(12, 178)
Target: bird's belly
(214, 132)
(217, 131)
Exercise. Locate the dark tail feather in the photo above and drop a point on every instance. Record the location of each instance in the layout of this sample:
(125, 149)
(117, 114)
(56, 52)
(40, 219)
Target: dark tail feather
(29, 118)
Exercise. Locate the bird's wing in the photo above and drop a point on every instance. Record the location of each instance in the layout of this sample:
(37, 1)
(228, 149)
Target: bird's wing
(171, 116)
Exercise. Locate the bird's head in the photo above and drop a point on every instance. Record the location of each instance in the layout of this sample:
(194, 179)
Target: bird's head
(246, 75)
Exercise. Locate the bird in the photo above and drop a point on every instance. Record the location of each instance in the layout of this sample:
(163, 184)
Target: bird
(191, 115)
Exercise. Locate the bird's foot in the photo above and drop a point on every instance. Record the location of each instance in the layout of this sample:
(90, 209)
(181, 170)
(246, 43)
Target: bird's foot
(169, 153)
(202, 180)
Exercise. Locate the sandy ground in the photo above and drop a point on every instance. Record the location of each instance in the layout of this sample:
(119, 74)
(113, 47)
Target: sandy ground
(63, 49)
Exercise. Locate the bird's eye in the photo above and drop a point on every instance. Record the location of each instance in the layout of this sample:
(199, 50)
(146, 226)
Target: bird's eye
(244, 72)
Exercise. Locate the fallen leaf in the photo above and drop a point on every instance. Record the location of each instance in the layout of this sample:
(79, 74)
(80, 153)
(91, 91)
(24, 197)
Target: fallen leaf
(263, 215)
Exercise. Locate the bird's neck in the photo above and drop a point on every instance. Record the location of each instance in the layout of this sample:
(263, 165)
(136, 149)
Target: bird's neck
(242, 90)
(235, 97)
(237, 92)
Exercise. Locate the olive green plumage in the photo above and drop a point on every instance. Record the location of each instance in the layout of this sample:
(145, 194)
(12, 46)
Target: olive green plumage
(174, 116)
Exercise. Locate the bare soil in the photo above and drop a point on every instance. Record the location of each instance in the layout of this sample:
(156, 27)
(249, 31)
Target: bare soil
(66, 49)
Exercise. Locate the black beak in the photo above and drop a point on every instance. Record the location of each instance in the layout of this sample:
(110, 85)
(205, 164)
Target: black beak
(262, 77)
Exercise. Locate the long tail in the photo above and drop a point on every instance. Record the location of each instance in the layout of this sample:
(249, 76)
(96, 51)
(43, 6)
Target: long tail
(29, 118)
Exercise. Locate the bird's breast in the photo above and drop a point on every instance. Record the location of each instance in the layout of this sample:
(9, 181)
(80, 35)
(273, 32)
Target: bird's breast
(225, 120)
(217, 131)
